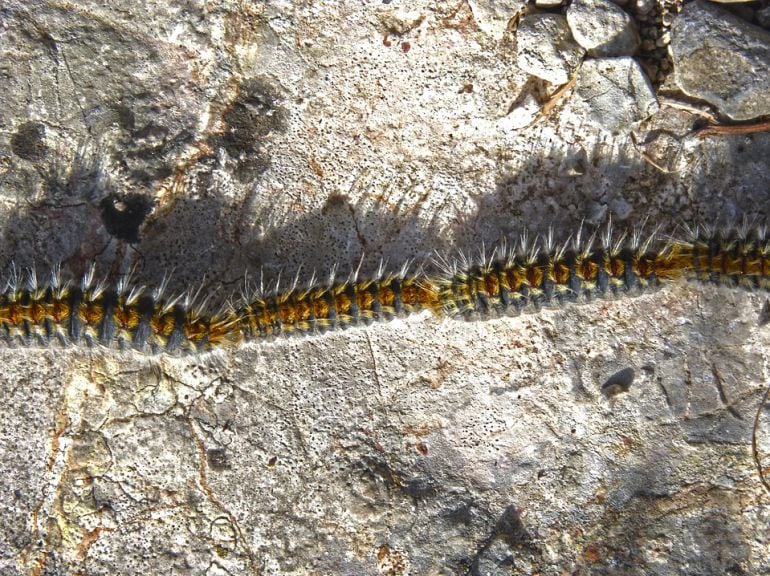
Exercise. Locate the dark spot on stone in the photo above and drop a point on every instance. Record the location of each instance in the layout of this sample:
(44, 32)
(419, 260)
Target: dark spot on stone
(124, 214)
(252, 117)
(334, 202)
(418, 488)
(271, 461)
(217, 459)
(151, 131)
(124, 117)
(28, 141)
(422, 448)
(510, 527)
(619, 382)
(406, 46)
(764, 313)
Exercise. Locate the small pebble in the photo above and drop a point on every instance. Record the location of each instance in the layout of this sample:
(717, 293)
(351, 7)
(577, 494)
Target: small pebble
(546, 48)
(644, 6)
(602, 28)
(722, 59)
(763, 17)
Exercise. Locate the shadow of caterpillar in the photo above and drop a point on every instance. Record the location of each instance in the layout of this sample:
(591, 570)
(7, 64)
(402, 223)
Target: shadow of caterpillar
(528, 276)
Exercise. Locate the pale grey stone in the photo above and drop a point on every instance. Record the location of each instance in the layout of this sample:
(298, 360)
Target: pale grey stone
(644, 7)
(614, 94)
(492, 16)
(602, 28)
(722, 60)
(546, 48)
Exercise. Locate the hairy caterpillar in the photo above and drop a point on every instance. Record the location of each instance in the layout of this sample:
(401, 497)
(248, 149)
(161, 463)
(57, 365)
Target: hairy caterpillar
(528, 276)
(535, 275)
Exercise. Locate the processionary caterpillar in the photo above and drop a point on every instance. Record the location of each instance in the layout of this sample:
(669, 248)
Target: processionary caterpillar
(526, 277)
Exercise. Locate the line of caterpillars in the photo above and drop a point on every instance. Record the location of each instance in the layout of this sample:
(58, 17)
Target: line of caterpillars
(526, 277)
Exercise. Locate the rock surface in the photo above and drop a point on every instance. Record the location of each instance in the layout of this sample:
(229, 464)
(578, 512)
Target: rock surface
(763, 17)
(614, 94)
(722, 60)
(602, 27)
(609, 437)
(546, 48)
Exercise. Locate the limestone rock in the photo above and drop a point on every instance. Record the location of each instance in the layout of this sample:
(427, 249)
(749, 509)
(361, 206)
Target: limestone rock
(602, 28)
(546, 48)
(614, 94)
(722, 60)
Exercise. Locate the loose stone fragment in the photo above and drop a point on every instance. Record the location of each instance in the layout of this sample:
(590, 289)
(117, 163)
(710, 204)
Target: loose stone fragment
(722, 59)
(763, 17)
(492, 16)
(546, 48)
(614, 94)
(602, 28)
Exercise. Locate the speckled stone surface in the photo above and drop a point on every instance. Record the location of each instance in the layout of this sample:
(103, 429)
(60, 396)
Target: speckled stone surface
(211, 138)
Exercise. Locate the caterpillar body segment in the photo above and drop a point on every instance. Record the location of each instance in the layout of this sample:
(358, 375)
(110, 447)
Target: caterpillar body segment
(742, 261)
(101, 316)
(514, 284)
(342, 305)
(531, 279)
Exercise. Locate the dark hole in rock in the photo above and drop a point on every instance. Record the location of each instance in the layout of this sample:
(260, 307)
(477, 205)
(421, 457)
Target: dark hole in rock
(217, 458)
(123, 215)
(28, 141)
(250, 119)
(619, 382)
